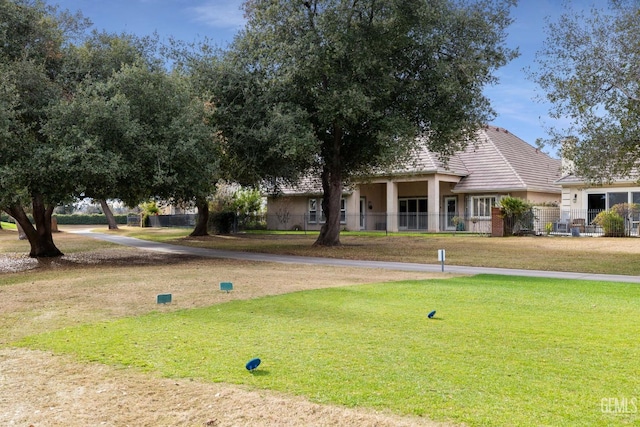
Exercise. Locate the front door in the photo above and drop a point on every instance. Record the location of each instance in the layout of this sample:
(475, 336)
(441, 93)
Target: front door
(363, 213)
(451, 204)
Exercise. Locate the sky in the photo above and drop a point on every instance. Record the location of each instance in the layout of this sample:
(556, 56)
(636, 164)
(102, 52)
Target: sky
(515, 98)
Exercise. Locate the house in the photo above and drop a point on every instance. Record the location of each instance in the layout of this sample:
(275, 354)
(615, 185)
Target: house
(427, 195)
(581, 202)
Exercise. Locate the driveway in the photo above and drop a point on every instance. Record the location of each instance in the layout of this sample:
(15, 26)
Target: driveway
(290, 259)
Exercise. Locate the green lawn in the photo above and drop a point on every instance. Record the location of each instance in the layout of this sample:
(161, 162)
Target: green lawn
(500, 350)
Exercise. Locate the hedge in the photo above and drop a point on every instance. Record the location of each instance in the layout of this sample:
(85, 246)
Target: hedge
(76, 219)
(95, 219)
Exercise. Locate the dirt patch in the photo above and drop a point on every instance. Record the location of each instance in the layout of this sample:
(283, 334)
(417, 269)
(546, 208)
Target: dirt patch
(41, 389)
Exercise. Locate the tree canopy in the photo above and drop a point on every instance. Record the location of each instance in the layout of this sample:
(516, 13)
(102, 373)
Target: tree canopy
(589, 70)
(94, 115)
(32, 38)
(340, 87)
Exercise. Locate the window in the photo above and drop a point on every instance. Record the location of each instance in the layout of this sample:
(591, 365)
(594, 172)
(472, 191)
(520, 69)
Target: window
(481, 206)
(316, 215)
(617, 198)
(313, 210)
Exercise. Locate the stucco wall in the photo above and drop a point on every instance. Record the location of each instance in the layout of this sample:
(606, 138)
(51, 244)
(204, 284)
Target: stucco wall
(287, 213)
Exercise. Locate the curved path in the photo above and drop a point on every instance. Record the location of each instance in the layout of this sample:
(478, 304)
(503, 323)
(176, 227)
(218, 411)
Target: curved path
(292, 259)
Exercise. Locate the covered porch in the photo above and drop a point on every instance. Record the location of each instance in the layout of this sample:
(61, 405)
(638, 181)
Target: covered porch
(408, 204)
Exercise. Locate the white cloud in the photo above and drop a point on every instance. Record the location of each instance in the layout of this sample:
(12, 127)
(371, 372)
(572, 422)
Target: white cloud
(219, 14)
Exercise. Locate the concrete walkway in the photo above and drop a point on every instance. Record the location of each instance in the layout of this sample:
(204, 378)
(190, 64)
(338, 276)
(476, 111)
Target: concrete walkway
(291, 259)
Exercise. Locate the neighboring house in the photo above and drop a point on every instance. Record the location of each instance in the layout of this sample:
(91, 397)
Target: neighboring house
(170, 209)
(426, 195)
(578, 195)
(581, 202)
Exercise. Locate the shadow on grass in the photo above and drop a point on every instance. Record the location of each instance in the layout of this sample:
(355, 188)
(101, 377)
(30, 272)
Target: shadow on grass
(122, 257)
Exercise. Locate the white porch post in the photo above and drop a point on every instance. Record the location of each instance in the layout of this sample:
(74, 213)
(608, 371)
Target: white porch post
(392, 206)
(433, 203)
(353, 210)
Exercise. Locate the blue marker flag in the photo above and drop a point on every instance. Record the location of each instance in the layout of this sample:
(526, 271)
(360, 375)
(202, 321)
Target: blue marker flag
(252, 364)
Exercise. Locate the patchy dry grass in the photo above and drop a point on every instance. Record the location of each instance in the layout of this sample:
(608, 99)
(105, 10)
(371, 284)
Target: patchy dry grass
(100, 281)
(553, 253)
(103, 282)
(488, 358)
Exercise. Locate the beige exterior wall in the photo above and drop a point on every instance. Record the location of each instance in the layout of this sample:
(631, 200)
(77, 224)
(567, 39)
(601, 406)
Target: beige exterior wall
(375, 197)
(287, 213)
(543, 197)
(413, 189)
(576, 196)
(537, 197)
(381, 203)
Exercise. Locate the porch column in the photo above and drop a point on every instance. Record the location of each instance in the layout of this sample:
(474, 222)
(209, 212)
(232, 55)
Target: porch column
(433, 203)
(353, 210)
(392, 206)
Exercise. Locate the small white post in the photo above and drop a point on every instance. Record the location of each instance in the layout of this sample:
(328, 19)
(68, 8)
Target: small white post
(441, 257)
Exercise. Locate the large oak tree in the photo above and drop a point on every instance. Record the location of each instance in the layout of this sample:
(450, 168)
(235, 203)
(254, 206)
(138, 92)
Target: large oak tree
(142, 133)
(93, 61)
(589, 69)
(32, 39)
(341, 87)
(98, 116)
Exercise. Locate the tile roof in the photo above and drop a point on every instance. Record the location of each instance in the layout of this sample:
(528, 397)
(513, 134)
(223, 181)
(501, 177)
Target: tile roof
(427, 162)
(570, 180)
(575, 180)
(499, 161)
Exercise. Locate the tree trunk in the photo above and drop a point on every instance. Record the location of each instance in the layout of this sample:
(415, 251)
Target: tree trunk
(111, 220)
(332, 189)
(21, 234)
(201, 228)
(39, 237)
(330, 231)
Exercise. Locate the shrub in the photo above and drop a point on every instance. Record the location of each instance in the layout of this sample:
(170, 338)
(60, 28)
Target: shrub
(518, 215)
(222, 222)
(234, 208)
(611, 222)
(626, 210)
(148, 209)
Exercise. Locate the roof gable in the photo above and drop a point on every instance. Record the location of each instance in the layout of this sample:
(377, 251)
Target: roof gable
(500, 161)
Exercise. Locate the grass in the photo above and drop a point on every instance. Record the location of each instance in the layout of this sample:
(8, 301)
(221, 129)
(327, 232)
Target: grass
(8, 226)
(68, 243)
(588, 254)
(501, 350)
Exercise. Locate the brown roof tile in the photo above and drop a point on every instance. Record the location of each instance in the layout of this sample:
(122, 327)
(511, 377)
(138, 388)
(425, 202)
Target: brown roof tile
(499, 161)
(503, 162)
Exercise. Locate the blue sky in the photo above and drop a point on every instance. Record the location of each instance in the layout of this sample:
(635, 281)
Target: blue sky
(513, 98)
